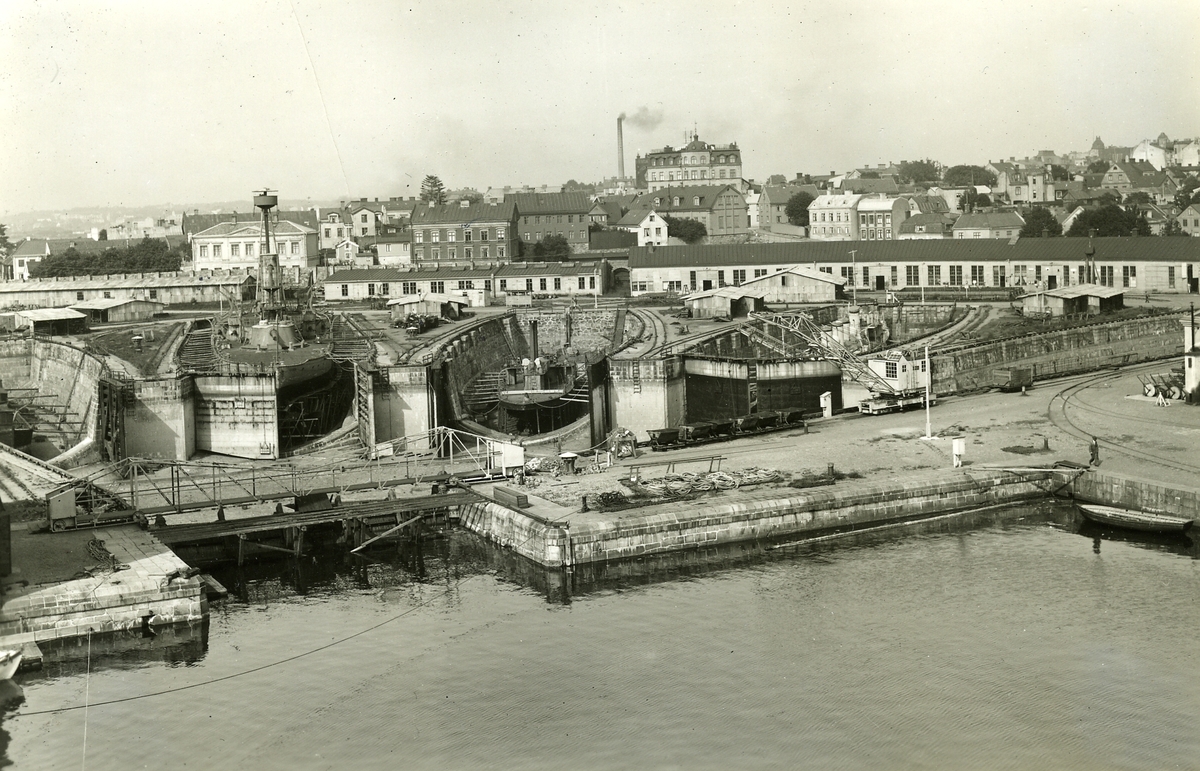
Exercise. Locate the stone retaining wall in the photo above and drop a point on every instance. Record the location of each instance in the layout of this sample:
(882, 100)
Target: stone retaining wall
(1130, 492)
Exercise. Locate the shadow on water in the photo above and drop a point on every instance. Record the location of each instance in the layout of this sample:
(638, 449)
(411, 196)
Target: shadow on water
(175, 645)
(1171, 543)
(11, 698)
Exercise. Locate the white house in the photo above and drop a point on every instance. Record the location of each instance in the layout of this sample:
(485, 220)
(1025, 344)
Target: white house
(236, 246)
(647, 225)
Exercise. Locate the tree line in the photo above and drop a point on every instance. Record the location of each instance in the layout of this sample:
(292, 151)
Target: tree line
(150, 255)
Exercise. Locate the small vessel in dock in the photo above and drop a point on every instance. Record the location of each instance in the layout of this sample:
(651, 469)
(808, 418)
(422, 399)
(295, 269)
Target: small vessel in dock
(1133, 519)
(10, 660)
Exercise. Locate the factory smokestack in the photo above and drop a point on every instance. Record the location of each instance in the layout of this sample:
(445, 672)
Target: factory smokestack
(620, 148)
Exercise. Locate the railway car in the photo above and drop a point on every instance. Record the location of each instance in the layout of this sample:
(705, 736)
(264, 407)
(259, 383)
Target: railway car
(704, 432)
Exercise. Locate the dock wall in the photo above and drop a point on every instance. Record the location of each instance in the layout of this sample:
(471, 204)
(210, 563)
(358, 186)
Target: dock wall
(1131, 492)
(765, 515)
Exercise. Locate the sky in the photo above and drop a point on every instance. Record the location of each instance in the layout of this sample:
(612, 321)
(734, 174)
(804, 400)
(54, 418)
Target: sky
(134, 103)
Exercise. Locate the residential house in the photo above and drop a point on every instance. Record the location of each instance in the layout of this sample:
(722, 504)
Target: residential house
(881, 186)
(196, 222)
(646, 224)
(464, 231)
(541, 215)
(834, 217)
(927, 204)
(722, 208)
(1150, 151)
(696, 163)
(235, 246)
(1006, 224)
(336, 225)
(365, 217)
(772, 203)
(394, 249)
(1037, 188)
(1140, 176)
(1189, 220)
(919, 227)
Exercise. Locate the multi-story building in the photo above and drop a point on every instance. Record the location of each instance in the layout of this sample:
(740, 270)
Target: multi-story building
(1189, 220)
(722, 208)
(394, 249)
(233, 246)
(486, 232)
(646, 224)
(772, 203)
(541, 215)
(336, 226)
(879, 218)
(696, 163)
(834, 217)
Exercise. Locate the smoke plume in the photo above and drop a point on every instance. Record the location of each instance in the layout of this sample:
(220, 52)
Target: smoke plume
(645, 118)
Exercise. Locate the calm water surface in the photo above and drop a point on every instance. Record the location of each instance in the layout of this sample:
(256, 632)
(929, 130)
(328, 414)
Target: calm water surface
(1001, 641)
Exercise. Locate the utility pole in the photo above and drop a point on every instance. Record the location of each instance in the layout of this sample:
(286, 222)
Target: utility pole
(928, 380)
(854, 274)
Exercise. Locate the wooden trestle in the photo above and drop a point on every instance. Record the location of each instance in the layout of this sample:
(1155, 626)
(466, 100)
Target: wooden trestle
(353, 523)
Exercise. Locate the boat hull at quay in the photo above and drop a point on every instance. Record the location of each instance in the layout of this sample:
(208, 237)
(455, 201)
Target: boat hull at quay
(1131, 519)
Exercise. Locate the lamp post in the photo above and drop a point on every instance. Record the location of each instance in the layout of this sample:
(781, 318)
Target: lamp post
(854, 275)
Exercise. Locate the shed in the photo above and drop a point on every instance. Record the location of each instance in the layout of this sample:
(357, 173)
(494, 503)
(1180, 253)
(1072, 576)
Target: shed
(427, 304)
(729, 301)
(52, 321)
(1074, 300)
(798, 284)
(115, 309)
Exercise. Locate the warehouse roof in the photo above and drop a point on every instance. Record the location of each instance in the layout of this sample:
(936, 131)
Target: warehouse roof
(122, 281)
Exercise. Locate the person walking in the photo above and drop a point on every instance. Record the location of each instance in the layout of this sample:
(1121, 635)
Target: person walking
(1094, 447)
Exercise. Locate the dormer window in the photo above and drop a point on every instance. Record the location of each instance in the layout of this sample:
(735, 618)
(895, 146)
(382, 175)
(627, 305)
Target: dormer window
(695, 200)
(657, 201)
(676, 200)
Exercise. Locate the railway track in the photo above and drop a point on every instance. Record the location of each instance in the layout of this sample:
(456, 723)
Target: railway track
(1067, 400)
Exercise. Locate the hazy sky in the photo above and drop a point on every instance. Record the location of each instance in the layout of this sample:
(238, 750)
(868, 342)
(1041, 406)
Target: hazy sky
(135, 103)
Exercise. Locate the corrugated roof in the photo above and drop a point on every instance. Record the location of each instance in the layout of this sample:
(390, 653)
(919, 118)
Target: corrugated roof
(51, 314)
(194, 223)
(129, 281)
(1044, 250)
(990, 221)
(1083, 290)
(433, 297)
(574, 267)
(732, 292)
(107, 303)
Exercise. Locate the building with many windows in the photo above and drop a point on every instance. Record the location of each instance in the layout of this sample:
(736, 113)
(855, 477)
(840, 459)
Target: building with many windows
(235, 246)
(722, 208)
(834, 217)
(879, 219)
(696, 163)
(646, 224)
(1144, 264)
(483, 232)
(541, 215)
(1005, 224)
(559, 279)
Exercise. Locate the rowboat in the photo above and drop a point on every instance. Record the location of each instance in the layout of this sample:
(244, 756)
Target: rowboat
(1133, 519)
(9, 661)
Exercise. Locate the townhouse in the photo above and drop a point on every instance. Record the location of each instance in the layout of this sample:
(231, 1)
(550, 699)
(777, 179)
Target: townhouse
(541, 215)
(464, 231)
(722, 208)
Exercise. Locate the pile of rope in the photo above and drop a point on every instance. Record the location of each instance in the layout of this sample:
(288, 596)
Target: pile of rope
(100, 553)
(675, 485)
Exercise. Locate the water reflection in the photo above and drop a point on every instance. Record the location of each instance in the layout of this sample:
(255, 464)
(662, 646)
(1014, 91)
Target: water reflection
(11, 697)
(1172, 543)
(175, 645)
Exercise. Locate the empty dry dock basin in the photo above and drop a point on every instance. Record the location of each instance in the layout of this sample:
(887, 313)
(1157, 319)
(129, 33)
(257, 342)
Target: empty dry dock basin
(751, 515)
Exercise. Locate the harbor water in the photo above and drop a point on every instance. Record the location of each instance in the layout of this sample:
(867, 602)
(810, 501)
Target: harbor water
(1005, 640)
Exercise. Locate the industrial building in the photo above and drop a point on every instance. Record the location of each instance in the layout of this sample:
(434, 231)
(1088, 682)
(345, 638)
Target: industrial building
(169, 288)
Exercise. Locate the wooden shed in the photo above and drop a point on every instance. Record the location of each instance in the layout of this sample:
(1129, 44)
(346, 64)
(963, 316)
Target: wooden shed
(1074, 300)
(728, 301)
(427, 304)
(52, 321)
(116, 309)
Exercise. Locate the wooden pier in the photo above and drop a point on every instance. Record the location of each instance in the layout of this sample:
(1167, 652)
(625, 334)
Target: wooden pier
(356, 524)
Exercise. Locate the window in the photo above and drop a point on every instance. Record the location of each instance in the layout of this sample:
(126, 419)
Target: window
(500, 232)
(408, 287)
(956, 275)
(250, 250)
(362, 217)
(934, 275)
(848, 274)
(912, 275)
(466, 284)
(345, 290)
(739, 276)
(452, 235)
(1106, 275)
(483, 234)
(1170, 276)
(216, 250)
(977, 275)
(329, 232)
(437, 287)
(452, 252)
(483, 252)
(557, 282)
(760, 272)
(421, 253)
(720, 278)
(499, 252)
(640, 286)
(421, 236)
(153, 294)
(437, 236)
(672, 286)
(467, 235)
(866, 276)
(894, 278)
(503, 285)
(487, 285)
(591, 282)
(383, 289)
(1129, 276)
(583, 282)
(295, 247)
(435, 254)
(467, 252)
(528, 285)
(646, 232)
(203, 250)
(79, 295)
(370, 290)
(542, 284)
(889, 370)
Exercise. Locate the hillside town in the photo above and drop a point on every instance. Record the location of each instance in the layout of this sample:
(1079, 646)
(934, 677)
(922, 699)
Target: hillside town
(680, 199)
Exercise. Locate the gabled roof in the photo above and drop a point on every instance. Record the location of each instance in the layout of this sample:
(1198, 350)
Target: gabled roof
(933, 223)
(860, 185)
(50, 314)
(835, 201)
(778, 195)
(990, 221)
(802, 271)
(1082, 290)
(549, 203)
(730, 292)
(634, 217)
(284, 228)
(930, 204)
(455, 214)
(434, 297)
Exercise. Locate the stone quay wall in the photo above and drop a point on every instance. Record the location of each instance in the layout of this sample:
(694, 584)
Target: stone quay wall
(1132, 493)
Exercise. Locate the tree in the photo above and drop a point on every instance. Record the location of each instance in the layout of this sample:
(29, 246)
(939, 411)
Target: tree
(472, 196)
(686, 230)
(150, 255)
(797, 208)
(917, 172)
(1187, 194)
(869, 175)
(776, 180)
(1137, 197)
(1173, 228)
(552, 248)
(5, 245)
(1059, 173)
(956, 176)
(1097, 167)
(1109, 220)
(103, 235)
(1039, 220)
(432, 190)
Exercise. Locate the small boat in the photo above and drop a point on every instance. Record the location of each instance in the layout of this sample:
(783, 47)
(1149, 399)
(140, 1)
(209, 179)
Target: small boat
(1134, 520)
(9, 661)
